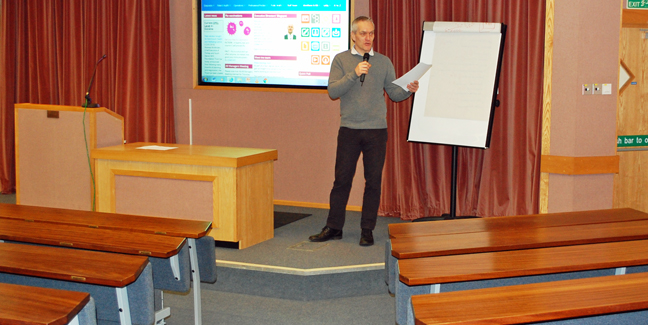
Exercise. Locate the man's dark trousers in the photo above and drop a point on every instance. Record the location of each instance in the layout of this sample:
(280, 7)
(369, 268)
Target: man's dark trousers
(372, 143)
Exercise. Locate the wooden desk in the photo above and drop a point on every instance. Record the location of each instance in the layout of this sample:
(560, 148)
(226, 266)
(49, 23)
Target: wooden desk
(77, 265)
(446, 227)
(530, 303)
(232, 187)
(99, 269)
(523, 238)
(506, 264)
(466, 236)
(191, 229)
(114, 221)
(88, 238)
(450, 273)
(22, 305)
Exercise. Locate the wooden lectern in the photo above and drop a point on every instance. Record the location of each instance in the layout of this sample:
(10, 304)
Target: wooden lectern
(52, 164)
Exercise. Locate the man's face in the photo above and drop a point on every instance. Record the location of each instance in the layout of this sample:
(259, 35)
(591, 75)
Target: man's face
(363, 37)
(290, 29)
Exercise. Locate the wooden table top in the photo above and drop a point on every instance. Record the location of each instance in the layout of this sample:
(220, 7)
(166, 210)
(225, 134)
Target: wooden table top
(185, 154)
(443, 227)
(116, 221)
(530, 303)
(89, 238)
(482, 266)
(77, 265)
(23, 305)
(69, 108)
(520, 238)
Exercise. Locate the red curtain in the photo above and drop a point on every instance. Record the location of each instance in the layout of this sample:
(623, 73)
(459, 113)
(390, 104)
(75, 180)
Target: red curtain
(501, 180)
(50, 48)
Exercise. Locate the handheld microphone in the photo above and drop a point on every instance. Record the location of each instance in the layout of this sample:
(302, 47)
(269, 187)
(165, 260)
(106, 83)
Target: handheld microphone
(88, 102)
(365, 58)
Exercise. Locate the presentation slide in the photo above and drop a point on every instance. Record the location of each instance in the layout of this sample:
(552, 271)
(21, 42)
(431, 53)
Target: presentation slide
(270, 43)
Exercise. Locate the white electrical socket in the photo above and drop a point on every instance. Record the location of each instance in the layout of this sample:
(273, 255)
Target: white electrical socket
(607, 89)
(587, 89)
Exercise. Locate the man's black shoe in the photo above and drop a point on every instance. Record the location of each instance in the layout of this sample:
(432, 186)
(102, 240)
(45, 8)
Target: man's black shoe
(366, 238)
(326, 234)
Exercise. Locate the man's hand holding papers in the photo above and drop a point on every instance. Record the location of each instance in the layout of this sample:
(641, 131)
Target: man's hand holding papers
(413, 75)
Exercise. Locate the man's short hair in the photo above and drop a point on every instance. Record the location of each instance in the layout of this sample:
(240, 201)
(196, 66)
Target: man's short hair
(354, 24)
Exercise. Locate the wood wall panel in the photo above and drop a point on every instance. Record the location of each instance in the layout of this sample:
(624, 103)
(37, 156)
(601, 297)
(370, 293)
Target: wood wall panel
(635, 18)
(579, 165)
(546, 103)
(631, 184)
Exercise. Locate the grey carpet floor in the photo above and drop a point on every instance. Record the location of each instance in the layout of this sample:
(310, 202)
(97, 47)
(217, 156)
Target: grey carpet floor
(238, 309)
(290, 246)
(8, 198)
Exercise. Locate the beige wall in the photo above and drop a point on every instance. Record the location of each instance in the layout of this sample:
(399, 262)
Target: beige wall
(585, 50)
(301, 126)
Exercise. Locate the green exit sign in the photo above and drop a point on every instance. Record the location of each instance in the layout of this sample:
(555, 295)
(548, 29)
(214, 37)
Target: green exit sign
(632, 141)
(637, 4)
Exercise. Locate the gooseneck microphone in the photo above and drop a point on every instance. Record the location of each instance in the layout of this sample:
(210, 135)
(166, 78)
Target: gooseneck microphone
(88, 102)
(365, 58)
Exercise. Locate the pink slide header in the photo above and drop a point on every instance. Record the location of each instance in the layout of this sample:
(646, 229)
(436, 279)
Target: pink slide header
(275, 57)
(313, 74)
(238, 66)
(238, 15)
(275, 15)
(213, 15)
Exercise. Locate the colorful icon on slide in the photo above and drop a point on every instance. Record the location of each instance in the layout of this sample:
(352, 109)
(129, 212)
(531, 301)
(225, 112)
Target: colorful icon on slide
(231, 28)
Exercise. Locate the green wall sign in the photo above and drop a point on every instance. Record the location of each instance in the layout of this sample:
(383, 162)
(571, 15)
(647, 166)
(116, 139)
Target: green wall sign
(637, 4)
(632, 140)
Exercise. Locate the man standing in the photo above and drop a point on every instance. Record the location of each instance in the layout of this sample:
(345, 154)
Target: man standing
(361, 87)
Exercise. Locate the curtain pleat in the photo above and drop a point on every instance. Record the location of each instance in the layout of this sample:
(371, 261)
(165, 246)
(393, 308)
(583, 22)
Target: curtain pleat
(8, 40)
(501, 180)
(51, 48)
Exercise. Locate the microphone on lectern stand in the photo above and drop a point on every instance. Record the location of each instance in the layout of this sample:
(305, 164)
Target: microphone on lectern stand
(88, 102)
(365, 58)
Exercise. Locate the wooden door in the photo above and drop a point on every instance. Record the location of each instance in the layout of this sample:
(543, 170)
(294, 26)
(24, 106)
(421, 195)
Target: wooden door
(631, 183)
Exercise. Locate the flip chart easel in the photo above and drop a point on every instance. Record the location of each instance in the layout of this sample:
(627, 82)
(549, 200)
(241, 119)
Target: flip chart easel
(456, 100)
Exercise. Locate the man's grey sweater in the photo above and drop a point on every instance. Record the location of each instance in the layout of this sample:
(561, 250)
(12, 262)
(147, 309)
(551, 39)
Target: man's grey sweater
(363, 106)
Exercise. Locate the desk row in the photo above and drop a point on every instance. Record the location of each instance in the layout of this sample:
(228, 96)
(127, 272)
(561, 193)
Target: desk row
(505, 251)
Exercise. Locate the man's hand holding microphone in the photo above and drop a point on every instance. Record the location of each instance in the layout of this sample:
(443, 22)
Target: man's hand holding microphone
(362, 68)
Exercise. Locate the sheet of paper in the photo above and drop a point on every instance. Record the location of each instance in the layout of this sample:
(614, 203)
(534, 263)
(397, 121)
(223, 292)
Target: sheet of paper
(415, 74)
(156, 148)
